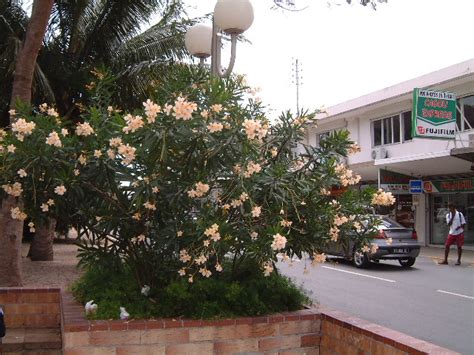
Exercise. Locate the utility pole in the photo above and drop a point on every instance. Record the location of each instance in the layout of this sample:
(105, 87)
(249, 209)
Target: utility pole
(297, 80)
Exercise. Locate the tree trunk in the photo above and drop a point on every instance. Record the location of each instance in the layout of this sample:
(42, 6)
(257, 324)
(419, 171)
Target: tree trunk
(11, 231)
(41, 248)
(26, 59)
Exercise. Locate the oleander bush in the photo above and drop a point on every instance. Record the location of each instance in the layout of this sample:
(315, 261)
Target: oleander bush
(183, 194)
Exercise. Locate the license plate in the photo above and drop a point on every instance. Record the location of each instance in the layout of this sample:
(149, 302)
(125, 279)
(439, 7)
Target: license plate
(401, 251)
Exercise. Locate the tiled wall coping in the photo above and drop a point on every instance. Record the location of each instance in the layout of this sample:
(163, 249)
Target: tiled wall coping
(381, 334)
(29, 290)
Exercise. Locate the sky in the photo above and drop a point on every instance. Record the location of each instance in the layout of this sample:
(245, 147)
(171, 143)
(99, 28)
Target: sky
(347, 51)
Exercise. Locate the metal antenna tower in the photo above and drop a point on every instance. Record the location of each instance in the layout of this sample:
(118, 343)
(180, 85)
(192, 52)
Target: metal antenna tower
(297, 79)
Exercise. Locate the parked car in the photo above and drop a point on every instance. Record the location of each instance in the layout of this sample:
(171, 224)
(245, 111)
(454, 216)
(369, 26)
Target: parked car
(404, 246)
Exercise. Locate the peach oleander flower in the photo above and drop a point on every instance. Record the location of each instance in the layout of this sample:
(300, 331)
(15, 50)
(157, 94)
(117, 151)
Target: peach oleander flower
(151, 110)
(18, 214)
(365, 249)
(345, 175)
(167, 109)
(155, 189)
(179, 233)
(274, 152)
(150, 206)
(54, 140)
(52, 112)
(190, 279)
(218, 267)
(256, 211)
(182, 272)
(254, 129)
(205, 272)
(31, 225)
(213, 232)
(201, 259)
(252, 168)
(22, 173)
(215, 127)
(76, 172)
(285, 223)
(111, 154)
(374, 248)
(339, 220)
(236, 203)
(43, 107)
(353, 148)
(334, 233)
(205, 114)
(318, 258)
(82, 159)
(23, 128)
(267, 268)
(44, 207)
(200, 190)
(279, 242)
(115, 142)
(383, 198)
(133, 123)
(12, 112)
(64, 132)
(50, 202)
(14, 190)
(97, 153)
(254, 235)
(128, 152)
(84, 129)
(183, 110)
(184, 257)
(216, 108)
(60, 190)
(11, 148)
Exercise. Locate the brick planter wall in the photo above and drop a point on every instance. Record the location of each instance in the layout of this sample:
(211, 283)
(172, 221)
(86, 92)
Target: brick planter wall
(31, 307)
(342, 334)
(311, 331)
(289, 333)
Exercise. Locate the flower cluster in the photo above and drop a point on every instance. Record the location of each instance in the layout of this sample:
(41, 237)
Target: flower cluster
(133, 123)
(84, 129)
(215, 127)
(318, 258)
(18, 214)
(252, 168)
(213, 232)
(151, 110)
(383, 198)
(183, 110)
(353, 148)
(345, 175)
(128, 153)
(200, 190)
(279, 242)
(54, 140)
(22, 128)
(254, 129)
(14, 189)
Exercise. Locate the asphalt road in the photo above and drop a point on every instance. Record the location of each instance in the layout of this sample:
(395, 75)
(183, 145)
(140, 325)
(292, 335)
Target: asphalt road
(427, 301)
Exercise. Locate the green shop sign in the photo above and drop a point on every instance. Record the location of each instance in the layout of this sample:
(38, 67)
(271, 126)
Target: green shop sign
(433, 114)
(460, 185)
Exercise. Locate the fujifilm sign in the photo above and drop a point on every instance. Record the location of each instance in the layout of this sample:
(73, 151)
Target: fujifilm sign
(434, 114)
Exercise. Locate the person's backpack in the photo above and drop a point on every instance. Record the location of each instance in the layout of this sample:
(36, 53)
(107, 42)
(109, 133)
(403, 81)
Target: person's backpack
(2, 323)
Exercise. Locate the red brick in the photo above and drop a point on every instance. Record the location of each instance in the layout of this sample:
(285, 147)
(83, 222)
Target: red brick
(117, 325)
(265, 330)
(137, 324)
(300, 327)
(172, 323)
(155, 324)
(77, 339)
(98, 325)
(141, 350)
(221, 333)
(90, 351)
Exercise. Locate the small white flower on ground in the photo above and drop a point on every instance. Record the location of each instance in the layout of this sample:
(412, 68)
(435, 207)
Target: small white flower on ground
(124, 315)
(145, 290)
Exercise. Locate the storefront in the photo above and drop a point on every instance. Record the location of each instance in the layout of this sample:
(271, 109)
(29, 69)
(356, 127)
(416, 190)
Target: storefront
(442, 192)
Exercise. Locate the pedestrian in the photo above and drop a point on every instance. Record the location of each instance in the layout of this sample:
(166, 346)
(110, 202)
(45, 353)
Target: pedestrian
(456, 223)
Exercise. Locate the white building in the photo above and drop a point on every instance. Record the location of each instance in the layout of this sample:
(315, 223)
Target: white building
(381, 123)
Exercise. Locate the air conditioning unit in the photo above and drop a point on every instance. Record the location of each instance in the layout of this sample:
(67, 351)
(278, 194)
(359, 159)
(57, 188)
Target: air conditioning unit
(379, 153)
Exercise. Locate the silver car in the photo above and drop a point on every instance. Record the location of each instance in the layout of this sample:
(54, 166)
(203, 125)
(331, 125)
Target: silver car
(394, 241)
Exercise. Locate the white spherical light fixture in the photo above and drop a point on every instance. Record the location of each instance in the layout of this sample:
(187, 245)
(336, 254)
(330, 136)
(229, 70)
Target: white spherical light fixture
(198, 40)
(233, 16)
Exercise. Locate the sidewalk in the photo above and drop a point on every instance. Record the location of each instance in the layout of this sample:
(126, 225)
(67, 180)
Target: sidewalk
(438, 253)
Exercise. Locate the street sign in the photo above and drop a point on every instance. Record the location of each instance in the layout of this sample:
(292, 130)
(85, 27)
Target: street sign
(416, 186)
(434, 114)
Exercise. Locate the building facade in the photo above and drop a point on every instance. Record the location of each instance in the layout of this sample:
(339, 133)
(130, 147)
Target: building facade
(381, 122)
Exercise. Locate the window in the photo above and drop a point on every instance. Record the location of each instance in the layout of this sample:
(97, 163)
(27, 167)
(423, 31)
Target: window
(406, 119)
(393, 129)
(465, 110)
(322, 136)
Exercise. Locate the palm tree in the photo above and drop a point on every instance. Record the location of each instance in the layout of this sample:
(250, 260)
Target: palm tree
(84, 34)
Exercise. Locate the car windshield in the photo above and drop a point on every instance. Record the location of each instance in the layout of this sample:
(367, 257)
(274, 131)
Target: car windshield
(388, 223)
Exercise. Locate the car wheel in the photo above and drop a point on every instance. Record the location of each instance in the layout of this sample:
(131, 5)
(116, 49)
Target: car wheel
(407, 262)
(360, 259)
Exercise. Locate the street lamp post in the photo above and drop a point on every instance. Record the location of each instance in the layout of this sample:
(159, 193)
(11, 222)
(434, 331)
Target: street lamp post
(230, 16)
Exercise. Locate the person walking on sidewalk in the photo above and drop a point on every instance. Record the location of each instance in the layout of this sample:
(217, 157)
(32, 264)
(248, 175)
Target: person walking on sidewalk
(456, 223)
